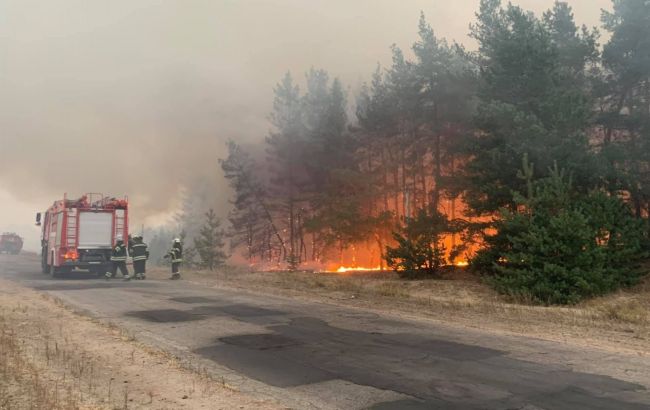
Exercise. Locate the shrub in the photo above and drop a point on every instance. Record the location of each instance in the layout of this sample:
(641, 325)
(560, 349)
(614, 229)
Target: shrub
(559, 246)
(419, 247)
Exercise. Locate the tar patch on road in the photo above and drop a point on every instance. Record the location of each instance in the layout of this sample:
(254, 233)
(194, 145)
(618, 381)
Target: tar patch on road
(193, 299)
(165, 315)
(241, 312)
(435, 373)
(83, 286)
(261, 342)
(412, 405)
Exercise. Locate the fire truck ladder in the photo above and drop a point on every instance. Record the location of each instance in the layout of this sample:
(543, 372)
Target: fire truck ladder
(71, 229)
(120, 222)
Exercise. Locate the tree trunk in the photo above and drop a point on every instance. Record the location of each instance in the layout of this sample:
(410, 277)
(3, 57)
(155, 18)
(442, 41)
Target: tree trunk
(453, 205)
(385, 175)
(405, 195)
(249, 240)
(292, 235)
(437, 159)
(435, 201)
(301, 237)
(395, 167)
(423, 182)
(380, 245)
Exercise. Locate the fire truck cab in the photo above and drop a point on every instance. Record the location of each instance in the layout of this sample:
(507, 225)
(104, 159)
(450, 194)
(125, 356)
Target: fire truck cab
(10, 243)
(80, 233)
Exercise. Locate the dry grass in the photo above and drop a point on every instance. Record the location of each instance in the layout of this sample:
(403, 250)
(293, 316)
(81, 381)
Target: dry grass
(24, 381)
(52, 358)
(630, 306)
(392, 290)
(627, 311)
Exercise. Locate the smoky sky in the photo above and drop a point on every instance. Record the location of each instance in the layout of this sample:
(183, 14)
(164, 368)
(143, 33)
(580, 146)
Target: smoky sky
(138, 97)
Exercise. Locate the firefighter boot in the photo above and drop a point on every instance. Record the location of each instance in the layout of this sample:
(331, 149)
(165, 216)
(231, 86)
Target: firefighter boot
(108, 276)
(175, 276)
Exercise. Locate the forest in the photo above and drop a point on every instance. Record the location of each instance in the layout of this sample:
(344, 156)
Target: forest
(527, 159)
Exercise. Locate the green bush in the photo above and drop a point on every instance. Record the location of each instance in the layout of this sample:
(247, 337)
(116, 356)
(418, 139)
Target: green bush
(559, 246)
(419, 250)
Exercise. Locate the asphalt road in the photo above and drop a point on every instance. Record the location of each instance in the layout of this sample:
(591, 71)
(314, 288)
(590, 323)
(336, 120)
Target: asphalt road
(320, 356)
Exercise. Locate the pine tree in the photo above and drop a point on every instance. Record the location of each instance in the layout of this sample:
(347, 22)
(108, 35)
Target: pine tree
(251, 220)
(189, 252)
(529, 103)
(420, 249)
(577, 47)
(560, 245)
(446, 82)
(210, 242)
(336, 192)
(288, 173)
(625, 109)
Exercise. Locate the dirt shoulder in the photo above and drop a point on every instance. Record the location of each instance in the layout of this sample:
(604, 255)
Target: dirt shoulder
(52, 358)
(619, 322)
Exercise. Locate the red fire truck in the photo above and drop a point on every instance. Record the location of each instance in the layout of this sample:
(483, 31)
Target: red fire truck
(80, 233)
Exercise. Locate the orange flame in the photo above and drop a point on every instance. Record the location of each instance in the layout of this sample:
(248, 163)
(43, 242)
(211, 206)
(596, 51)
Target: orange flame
(343, 269)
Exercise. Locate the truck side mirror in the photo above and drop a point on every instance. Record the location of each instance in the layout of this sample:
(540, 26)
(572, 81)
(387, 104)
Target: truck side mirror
(38, 219)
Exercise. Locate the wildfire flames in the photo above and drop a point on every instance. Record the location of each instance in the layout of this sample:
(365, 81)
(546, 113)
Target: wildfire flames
(343, 269)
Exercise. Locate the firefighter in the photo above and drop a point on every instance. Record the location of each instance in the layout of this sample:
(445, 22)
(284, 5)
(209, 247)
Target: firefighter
(176, 256)
(140, 253)
(118, 260)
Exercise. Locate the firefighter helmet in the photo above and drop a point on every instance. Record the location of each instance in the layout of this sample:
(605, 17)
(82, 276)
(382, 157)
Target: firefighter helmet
(177, 240)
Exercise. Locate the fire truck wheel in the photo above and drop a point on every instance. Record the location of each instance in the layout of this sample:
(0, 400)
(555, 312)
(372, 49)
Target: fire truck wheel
(45, 268)
(58, 272)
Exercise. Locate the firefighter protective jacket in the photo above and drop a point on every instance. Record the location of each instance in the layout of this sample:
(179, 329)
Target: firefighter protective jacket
(176, 255)
(119, 253)
(139, 251)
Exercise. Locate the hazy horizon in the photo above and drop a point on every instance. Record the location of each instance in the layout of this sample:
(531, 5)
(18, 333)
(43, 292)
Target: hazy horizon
(138, 98)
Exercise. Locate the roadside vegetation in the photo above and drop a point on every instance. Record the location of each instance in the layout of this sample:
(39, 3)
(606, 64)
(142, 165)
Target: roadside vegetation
(528, 159)
(51, 358)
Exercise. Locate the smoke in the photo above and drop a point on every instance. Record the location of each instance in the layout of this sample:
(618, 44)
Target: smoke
(107, 105)
(138, 97)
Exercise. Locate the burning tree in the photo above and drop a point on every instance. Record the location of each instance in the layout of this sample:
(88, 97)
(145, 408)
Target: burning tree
(433, 154)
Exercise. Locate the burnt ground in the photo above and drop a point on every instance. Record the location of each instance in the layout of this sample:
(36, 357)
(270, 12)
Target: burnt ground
(311, 355)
